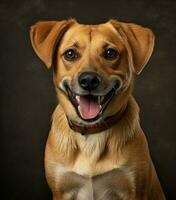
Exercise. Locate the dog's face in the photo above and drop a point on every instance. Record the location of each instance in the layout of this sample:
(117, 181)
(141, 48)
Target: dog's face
(93, 64)
(91, 70)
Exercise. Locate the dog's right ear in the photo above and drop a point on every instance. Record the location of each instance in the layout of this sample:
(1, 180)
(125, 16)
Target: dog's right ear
(45, 37)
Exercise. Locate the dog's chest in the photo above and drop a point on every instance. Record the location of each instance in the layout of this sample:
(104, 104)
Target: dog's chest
(88, 180)
(88, 167)
(113, 185)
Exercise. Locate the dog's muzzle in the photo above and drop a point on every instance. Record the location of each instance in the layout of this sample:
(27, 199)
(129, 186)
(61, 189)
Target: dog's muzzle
(90, 97)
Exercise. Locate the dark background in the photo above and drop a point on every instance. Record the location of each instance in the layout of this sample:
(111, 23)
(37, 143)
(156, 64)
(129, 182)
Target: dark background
(28, 98)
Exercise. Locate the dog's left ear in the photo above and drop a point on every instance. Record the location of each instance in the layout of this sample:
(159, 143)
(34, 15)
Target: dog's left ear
(45, 37)
(140, 43)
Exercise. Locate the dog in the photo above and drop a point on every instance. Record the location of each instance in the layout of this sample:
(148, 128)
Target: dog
(96, 149)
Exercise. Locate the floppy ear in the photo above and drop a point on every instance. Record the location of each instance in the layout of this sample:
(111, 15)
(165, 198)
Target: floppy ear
(45, 36)
(140, 43)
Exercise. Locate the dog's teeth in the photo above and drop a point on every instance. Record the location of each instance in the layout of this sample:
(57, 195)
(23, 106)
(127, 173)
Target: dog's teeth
(102, 97)
(78, 98)
(99, 100)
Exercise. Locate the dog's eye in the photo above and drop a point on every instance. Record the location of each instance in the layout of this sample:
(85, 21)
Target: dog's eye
(110, 54)
(71, 55)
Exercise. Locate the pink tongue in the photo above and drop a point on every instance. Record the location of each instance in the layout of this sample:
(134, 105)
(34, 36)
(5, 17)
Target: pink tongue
(88, 108)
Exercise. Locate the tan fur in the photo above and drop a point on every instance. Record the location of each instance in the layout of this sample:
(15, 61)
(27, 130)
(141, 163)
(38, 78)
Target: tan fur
(115, 163)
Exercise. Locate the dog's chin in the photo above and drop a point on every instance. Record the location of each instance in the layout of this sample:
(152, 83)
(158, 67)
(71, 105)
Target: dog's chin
(90, 108)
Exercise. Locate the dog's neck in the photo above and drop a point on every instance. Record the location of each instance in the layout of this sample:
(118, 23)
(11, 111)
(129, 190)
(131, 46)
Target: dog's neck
(99, 127)
(69, 141)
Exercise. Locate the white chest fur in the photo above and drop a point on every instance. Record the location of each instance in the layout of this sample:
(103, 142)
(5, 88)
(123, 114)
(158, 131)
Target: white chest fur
(91, 159)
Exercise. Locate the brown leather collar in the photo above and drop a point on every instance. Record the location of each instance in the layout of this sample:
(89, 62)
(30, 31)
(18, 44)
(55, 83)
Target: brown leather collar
(101, 126)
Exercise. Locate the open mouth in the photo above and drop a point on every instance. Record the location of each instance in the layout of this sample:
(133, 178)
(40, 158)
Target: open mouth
(90, 107)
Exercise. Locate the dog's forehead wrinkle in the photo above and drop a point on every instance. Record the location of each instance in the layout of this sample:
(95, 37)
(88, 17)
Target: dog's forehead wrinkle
(93, 29)
(78, 35)
(75, 44)
(91, 37)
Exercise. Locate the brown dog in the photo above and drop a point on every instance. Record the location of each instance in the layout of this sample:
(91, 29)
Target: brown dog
(96, 149)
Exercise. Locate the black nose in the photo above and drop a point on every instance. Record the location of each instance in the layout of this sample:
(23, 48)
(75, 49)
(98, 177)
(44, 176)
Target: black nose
(89, 80)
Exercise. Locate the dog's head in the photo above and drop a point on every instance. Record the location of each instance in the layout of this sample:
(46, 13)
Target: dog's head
(93, 64)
